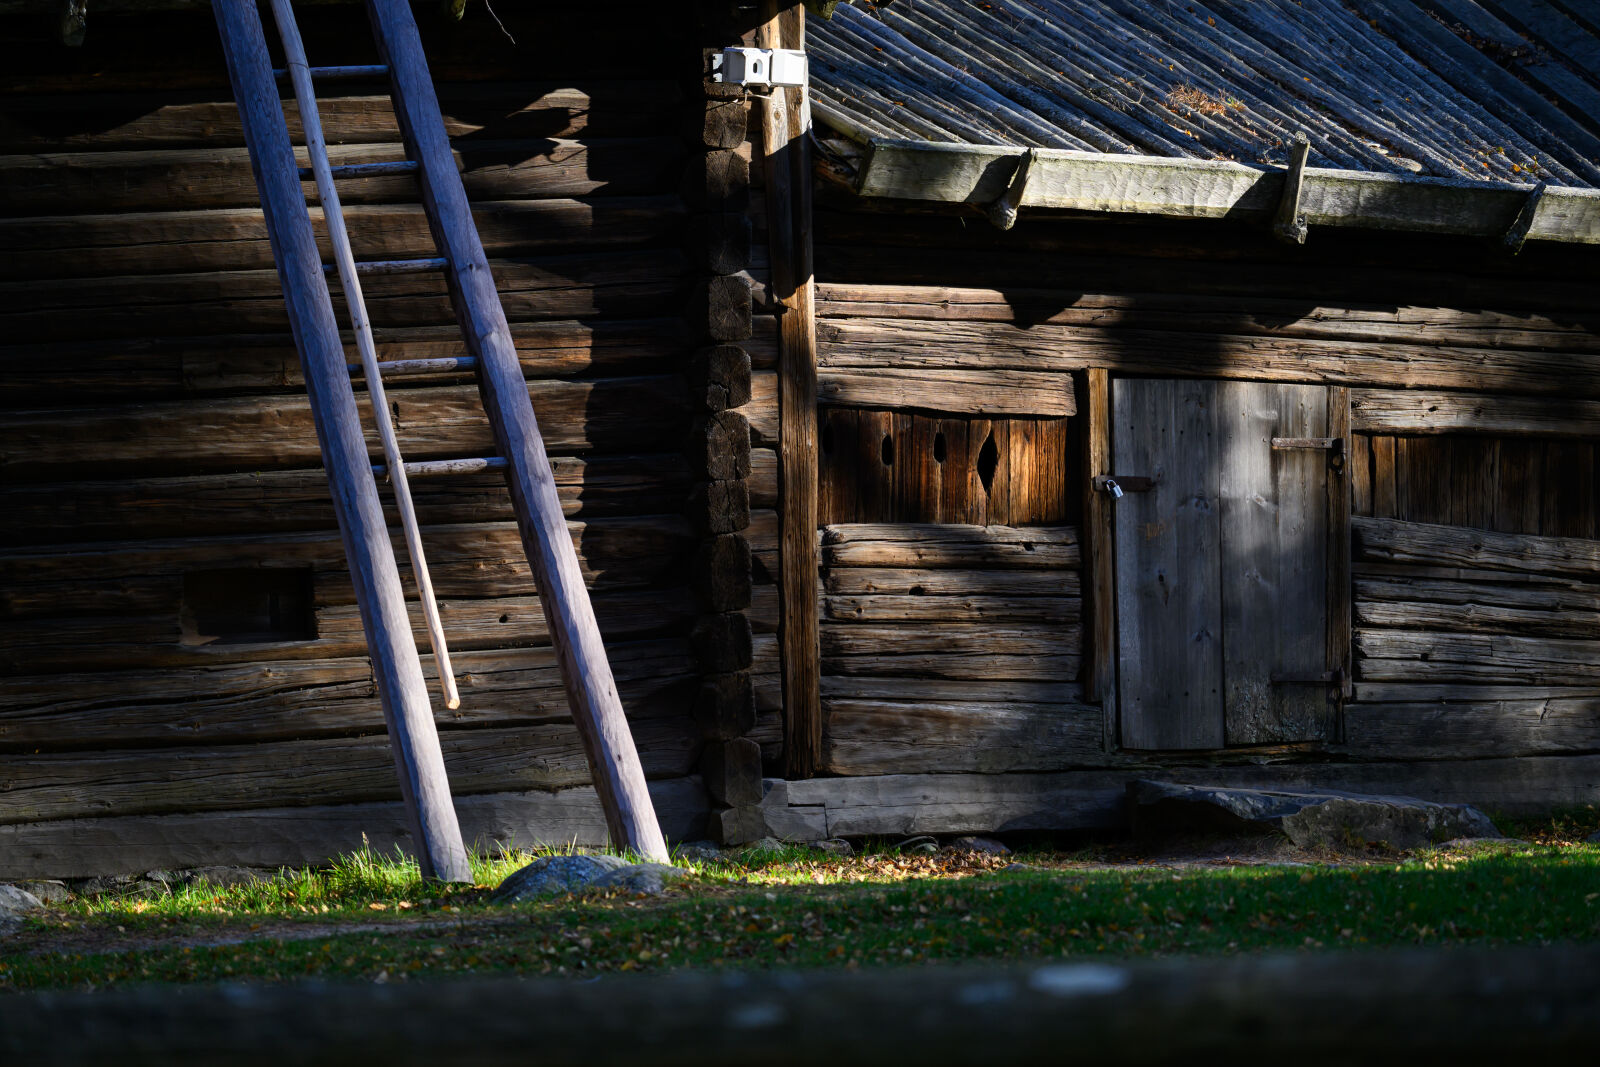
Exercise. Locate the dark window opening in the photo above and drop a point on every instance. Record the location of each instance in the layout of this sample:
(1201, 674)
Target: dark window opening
(888, 451)
(938, 448)
(248, 606)
(988, 463)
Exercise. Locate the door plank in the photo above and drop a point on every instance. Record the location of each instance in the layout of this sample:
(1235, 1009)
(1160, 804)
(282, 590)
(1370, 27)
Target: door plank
(1169, 617)
(1274, 514)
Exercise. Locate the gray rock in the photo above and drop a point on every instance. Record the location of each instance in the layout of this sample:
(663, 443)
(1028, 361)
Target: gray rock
(15, 902)
(835, 846)
(550, 876)
(47, 890)
(766, 844)
(987, 845)
(698, 851)
(1594, 838)
(118, 885)
(648, 878)
(227, 877)
(1324, 819)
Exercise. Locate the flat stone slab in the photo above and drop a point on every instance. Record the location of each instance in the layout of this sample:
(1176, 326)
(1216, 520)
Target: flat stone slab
(550, 876)
(1323, 819)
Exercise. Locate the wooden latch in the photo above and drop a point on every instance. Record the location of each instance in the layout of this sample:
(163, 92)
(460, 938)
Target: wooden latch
(1334, 677)
(1289, 225)
(1334, 446)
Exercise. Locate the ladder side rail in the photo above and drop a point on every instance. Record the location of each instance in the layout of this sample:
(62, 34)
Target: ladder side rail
(345, 260)
(393, 648)
(591, 690)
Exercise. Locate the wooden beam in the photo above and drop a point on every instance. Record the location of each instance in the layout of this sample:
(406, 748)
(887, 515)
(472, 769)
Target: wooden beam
(413, 737)
(596, 708)
(1099, 580)
(1193, 188)
(1340, 477)
(1391, 411)
(786, 146)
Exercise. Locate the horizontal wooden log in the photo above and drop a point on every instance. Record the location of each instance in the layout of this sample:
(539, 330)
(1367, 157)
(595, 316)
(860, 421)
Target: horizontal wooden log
(295, 500)
(763, 478)
(1556, 596)
(498, 111)
(235, 239)
(1407, 572)
(761, 410)
(1476, 618)
(996, 391)
(1394, 541)
(1022, 548)
(59, 183)
(940, 582)
(632, 283)
(880, 607)
(976, 666)
(1501, 659)
(1414, 693)
(953, 638)
(1389, 411)
(308, 836)
(860, 344)
(74, 785)
(1241, 314)
(948, 691)
(762, 533)
(1487, 728)
(258, 433)
(902, 737)
(302, 699)
(1193, 188)
(37, 375)
(1095, 799)
(475, 559)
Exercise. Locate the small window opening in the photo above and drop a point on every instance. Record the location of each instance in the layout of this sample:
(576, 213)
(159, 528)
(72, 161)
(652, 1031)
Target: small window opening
(827, 439)
(988, 463)
(888, 451)
(938, 448)
(248, 606)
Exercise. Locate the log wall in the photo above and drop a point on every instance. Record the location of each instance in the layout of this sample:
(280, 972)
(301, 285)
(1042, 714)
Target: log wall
(155, 436)
(1474, 378)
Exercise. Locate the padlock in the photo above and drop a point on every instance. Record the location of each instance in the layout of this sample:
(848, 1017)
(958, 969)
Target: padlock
(1114, 489)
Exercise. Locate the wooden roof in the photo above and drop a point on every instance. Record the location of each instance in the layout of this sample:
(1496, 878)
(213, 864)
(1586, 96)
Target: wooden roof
(1504, 91)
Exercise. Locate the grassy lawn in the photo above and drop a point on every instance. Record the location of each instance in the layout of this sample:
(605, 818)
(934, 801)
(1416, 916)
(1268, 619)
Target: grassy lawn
(372, 918)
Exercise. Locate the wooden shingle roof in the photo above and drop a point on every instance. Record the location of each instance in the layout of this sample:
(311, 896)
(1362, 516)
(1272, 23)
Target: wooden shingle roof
(1505, 91)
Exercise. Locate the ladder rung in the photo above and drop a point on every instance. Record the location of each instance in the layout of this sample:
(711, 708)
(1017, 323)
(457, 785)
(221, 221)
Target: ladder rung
(427, 468)
(401, 368)
(394, 266)
(337, 73)
(365, 170)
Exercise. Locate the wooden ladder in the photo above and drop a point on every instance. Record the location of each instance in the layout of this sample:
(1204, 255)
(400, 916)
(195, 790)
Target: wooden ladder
(491, 354)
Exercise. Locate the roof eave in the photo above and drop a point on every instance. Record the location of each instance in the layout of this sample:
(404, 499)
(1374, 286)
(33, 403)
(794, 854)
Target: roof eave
(1108, 183)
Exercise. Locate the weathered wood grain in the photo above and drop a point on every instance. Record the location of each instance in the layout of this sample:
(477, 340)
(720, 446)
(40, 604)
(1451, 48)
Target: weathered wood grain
(1169, 607)
(949, 691)
(485, 111)
(305, 699)
(235, 239)
(881, 736)
(858, 344)
(918, 582)
(257, 433)
(1209, 313)
(1465, 616)
(1100, 659)
(1553, 596)
(892, 608)
(1391, 411)
(1194, 188)
(1392, 541)
(996, 391)
(1483, 728)
(947, 545)
(49, 183)
(1501, 659)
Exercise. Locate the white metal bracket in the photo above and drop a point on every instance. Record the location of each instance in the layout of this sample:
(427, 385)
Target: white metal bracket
(777, 67)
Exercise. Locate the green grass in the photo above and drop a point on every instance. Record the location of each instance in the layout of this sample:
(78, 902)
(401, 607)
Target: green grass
(802, 908)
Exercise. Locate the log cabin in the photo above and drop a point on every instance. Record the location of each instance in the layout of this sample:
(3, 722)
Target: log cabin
(1046, 397)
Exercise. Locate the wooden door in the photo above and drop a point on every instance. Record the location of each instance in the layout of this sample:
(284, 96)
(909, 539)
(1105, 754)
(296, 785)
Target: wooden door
(1223, 562)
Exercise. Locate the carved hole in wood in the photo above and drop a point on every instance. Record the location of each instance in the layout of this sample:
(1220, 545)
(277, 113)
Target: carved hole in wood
(888, 451)
(938, 448)
(827, 439)
(988, 463)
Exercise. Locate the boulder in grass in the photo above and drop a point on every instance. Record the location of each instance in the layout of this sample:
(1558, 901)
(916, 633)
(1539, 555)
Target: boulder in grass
(648, 878)
(552, 876)
(15, 904)
(986, 845)
(1328, 819)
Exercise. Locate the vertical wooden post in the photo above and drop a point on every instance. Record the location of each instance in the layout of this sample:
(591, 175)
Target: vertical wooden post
(1099, 578)
(393, 648)
(1340, 479)
(591, 689)
(786, 144)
